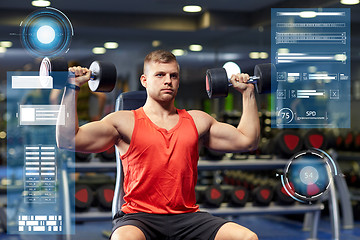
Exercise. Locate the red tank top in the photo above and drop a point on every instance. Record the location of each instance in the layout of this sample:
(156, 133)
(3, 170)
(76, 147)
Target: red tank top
(160, 167)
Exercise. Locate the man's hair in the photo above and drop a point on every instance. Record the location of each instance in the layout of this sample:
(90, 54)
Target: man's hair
(159, 56)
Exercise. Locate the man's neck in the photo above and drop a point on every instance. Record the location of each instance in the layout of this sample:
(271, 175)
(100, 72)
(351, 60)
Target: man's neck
(159, 108)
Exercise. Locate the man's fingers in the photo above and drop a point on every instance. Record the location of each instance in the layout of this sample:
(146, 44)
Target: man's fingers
(243, 77)
(79, 71)
(239, 78)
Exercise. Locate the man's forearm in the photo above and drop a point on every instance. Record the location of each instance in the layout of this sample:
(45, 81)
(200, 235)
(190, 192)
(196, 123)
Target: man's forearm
(65, 134)
(249, 123)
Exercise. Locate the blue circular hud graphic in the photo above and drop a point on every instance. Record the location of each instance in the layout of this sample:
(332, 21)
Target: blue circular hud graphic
(308, 175)
(46, 32)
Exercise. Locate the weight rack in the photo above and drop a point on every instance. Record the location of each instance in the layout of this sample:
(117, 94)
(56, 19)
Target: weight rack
(312, 212)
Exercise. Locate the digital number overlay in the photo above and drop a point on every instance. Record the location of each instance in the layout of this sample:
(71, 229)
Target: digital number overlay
(308, 175)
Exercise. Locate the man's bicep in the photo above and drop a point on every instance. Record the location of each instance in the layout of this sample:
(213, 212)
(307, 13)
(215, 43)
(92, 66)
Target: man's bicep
(96, 136)
(227, 138)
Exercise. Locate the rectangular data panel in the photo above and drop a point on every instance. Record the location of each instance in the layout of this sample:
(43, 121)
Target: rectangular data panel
(39, 194)
(310, 49)
(40, 174)
(42, 114)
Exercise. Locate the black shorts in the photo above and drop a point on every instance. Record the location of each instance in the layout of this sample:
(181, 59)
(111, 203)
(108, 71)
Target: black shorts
(198, 225)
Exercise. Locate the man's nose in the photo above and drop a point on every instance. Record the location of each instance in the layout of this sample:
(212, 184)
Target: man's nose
(167, 79)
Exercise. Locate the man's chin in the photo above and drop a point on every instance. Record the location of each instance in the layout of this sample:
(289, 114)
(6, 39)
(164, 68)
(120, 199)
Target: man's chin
(167, 97)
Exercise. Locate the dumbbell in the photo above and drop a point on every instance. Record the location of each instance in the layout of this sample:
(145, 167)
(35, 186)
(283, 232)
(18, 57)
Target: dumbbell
(281, 196)
(84, 197)
(238, 196)
(349, 141)
(315, 139)
(239, 178)
(95, 180)
(217, 81)
(213, 196)
(352, 173)
(108, 155)
(103, 74)
(213, 155)
(104, 196)
(357, 141)
(262, 195)
(288, 142)
(82, 157)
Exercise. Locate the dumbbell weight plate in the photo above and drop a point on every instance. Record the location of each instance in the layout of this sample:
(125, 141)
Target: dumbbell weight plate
(104, 76)
(357, 142)
(82, 157)
(283, 198)
(264, 71)
(315, 139)
(83, 197)
(217, 83)
(108, 155)
(262, 195)
(214, 196)
(239, 196)
(288, 142)
(105, 195)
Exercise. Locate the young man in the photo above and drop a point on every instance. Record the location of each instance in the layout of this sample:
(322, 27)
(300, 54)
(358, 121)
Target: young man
(158, 144)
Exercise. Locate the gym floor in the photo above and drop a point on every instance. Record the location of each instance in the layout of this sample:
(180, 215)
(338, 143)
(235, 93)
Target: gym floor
(267, 228)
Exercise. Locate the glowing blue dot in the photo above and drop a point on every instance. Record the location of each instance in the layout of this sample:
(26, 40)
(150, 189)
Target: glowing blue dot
(46, 34)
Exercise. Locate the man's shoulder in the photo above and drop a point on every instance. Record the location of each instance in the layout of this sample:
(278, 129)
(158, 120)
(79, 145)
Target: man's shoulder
(200, 117)
(198, 114)
(121, 113)
(202, 121)
(118, 117)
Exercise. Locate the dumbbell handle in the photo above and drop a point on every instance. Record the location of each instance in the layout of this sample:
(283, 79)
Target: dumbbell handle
(252, 79)
(93, 76)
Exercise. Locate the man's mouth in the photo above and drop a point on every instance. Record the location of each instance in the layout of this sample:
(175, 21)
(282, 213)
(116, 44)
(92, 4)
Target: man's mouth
(167, 90)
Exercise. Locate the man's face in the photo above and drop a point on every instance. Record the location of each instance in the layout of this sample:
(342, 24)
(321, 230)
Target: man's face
(161, 80)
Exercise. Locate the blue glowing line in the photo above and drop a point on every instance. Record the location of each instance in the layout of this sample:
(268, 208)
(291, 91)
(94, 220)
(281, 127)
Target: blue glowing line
(331, 160)
(68, 20)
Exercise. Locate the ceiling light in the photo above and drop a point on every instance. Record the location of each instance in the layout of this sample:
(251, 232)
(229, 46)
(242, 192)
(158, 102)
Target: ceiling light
(312, 69)
(349, 2)
(2, 49)
(2, 134)
(231, 68)
(192, 8)
(195, 48)
(111, 45)
(283, 50)
(308, 14)
(99, 50)
(40, 3)
(340, 57)
(178, 52)
(254, 55)
(263, 55)
(6, 44)
(156, 43)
